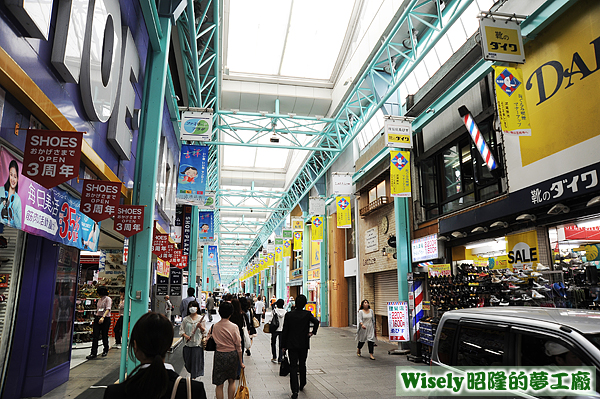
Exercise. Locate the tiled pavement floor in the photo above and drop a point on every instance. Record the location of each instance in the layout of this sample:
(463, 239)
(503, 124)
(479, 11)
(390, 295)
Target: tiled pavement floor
(334, 370)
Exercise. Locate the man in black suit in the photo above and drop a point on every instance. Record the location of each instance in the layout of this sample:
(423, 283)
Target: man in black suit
(295, 339)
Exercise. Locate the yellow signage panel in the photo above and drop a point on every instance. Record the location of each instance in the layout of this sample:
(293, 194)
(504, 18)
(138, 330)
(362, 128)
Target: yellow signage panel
(317, 229)
(287, 248)
(297, 240)
(398, 133)
(278, 254)
(400, 173)
(315, 254)
(522, 250)
(510, 97)
(501, 40)
(344, 212)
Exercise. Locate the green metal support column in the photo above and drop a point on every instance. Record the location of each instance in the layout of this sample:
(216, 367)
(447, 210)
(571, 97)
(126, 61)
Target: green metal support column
(138, 281)
(305, 255)
(193, 257)
(324, 275)
(402, 245)
(203, 284)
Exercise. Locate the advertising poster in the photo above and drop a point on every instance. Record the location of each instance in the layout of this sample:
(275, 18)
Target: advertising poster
(278, 253)
(510, 97)
(400, 173)
(50, 213)
(129, 219)
(398, 133)
(315, 254)
(522, 250)
(344, 212)
(398, 321)
(297, 240)
(160, 243)
(100, 198)
(196, 126)
(162, 268)
(424, 248)
(312, 308)
(440, 270)
(191, 182)
(52, 157)
(317, 229)
(206, 227)
(212, 255)
(287, 249)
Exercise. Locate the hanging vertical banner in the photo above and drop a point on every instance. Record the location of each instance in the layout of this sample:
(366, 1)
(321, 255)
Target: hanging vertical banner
(100, 198)
(400, 174)
(159, 244)
(129, 219)
(297, 224)
(342, 183)
(315, 254)
(344, 212)
(206, 227)
(212, 255)
(278, 253)
(191, 184)
(52, 157)
(270, 260)
(162, 268)
(297, 240)
(316, 206)
(510, 96)
(287, 249)
(317, 229)
(196, 126)
(186, 235)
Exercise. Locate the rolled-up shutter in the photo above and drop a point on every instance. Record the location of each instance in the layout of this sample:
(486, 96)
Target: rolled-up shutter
(386, 290)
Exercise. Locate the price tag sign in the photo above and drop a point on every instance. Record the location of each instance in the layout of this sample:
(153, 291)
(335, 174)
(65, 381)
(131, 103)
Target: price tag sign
(501, 40)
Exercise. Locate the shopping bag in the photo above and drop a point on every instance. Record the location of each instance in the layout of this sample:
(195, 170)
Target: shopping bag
(242, 392)
(255, 322)
(267, 328)
(284, 367)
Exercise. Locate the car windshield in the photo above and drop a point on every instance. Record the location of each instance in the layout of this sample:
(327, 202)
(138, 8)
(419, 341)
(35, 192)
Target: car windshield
(594, 338)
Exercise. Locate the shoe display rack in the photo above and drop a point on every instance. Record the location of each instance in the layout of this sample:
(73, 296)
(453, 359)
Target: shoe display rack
(427, 331)
(85, 307)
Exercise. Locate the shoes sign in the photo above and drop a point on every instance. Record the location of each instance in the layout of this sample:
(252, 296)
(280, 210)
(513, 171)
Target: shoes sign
(129, 219)
(52, 157)
(100, 198)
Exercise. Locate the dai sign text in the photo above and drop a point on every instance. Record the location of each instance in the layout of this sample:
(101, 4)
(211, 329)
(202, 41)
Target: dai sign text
(105, 63)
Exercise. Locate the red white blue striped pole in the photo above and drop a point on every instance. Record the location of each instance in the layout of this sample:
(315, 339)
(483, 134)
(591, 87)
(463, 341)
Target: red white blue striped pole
(477, 137)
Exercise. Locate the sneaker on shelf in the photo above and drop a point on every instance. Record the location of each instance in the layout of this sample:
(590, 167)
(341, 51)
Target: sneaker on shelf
(522, 275)
(515, 298)
(513, 279)
(508, 273)
(496, 280)
(536, 295)
(542, 267)
(540, 288)
(512, 287)
(493, 299)
(543, 280)
(504, 303)
(536, 274)
(526, 297)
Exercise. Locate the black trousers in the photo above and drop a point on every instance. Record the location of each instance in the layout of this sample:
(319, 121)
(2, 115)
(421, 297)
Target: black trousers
(297, 358)
(100, 329)
(274, 336)
(371, 346)
(118, 330)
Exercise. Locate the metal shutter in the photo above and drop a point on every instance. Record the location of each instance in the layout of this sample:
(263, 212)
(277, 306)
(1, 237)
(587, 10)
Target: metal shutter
(352, 306)
(386, 290)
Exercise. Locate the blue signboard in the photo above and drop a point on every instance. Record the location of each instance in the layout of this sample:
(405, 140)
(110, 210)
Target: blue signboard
(191, 182)
(206, 228)
(213, 255)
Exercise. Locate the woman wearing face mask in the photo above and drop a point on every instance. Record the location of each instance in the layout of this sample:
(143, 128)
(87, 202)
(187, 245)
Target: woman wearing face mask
(192, 328)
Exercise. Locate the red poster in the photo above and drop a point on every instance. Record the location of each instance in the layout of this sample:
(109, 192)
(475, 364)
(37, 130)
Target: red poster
(100, 198)
(159, 245)
(184, 261)
(169, 253)
(582, 233)
(129, 219)
(162, 268)
(178, 259)
(52, 157)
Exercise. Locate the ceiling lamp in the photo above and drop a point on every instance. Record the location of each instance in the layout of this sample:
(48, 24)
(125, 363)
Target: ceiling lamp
(479, 229)
(594, 201)
(526, 217)
(443, 238)
(558, 209)
(458, 234)
(499, 223)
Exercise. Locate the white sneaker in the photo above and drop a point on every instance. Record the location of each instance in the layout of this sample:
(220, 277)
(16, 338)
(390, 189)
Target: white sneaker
(536, 295)
(540, 288)
(526, 297)
(536, 274)
(493, 299)
(542, 267)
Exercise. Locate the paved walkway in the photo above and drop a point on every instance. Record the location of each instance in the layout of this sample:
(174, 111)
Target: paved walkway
(334, 370)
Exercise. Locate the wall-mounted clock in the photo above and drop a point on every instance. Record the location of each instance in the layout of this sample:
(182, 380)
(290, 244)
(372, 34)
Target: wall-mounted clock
(384, 225)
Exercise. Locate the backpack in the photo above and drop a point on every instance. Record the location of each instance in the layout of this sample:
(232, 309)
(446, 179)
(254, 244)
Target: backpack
(274, 321)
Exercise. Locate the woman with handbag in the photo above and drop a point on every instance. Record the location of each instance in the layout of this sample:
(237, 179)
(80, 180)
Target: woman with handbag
(151, 338)
(366, 328)
(228, 354)
(276, 329)
(192, 329)
(252, 323)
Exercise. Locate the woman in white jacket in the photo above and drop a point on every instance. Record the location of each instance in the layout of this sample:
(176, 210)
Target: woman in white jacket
(278, 312)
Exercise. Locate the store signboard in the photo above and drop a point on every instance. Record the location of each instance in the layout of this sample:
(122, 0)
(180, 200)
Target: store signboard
(191, 184)
(426, 305)
(287, 234)
(160, 243)
(501, 40)
(196, 126)
(400, 174)
(186, 236)
(100, 198)
(372, 240)
(425, 248)
(316, 206)
(175, 290)
(297, 224)
(125, 250)
(162, 290)
(52, 157)
(129, 219)
(398, 326)
(342, 183)
(176, 274)
(522, 250)
(398, 133)
(206, 226)
(444, 270)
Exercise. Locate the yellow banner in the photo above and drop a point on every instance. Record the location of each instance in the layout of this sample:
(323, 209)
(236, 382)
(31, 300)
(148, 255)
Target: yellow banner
(317, 229)
(510, 96)
(278, 254)
(297, 224)
(270, 259)
(344, 212)
(287, 248)
(400, 174)
(315, 253)
(162, 268)
(440, 270)
(297, 240)
(522, 250)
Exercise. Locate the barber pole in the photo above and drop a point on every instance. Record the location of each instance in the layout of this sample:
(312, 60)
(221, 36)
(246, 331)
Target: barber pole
(417, 313)
(477, 137)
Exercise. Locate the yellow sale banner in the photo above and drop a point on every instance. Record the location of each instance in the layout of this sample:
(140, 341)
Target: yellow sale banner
(510, 96)
(400, 173)
(162, 268)
(317, 229)
(344, 212)
(287, 248)
(297, 240)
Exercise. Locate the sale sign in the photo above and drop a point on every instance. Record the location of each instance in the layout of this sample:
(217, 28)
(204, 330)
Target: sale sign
(100, 198)
(398, 321)
(160, 243)
(129, 219)
(162, 268)
(52, 157)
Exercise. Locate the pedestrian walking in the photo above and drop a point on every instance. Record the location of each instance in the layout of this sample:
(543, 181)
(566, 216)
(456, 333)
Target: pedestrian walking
(366, 328)
(290, 305)
(259, 308)
(192, 330)
(228, 356)
(168, 308)
(273, 301)
(249, 312)
(119, 324)
(101, 323)
(210, 307)
(279, 313)
(295, 339)
(184, 304)
(151, 338)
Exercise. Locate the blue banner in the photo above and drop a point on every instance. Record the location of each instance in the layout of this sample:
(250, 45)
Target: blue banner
(191, 182)
(213, 255)
(206, 231)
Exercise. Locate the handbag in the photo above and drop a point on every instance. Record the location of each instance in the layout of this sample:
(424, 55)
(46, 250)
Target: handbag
(242, 392)
(188, 383)
(255, 322)
(274, 322)
(211, 345)
(267, 328)
(247, 341)
(284, 367)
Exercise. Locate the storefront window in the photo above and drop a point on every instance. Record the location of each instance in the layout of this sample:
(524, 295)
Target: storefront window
(452, 178)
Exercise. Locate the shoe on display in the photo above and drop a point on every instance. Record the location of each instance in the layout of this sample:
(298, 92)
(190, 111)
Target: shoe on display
(493, 299)
(543, 280)
(513, 279)
(536, 274)
(496, 280)
(526, 297)
(542, 267)
(512, 287)
(540, 288)
(515, 298)
(536, 295)
(504, 303)
(522, 275)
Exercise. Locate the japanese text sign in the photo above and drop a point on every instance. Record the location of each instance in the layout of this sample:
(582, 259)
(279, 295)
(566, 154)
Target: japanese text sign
(398, 133)
(501, 40)
(440, 270)
(160, 243)
(186, 236)
(398, 321)
(100, 198)
(206, 226)
(52, 157)
(400, 174)
(196, 126)
(129, 219)
(191, 184)
(162, 268)
(344, 212)
(425, 248)
(510, 97)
